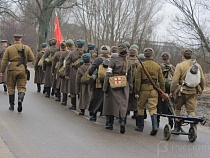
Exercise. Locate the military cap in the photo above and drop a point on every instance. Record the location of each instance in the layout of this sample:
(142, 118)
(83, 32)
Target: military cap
(52, 41)
(91, 46)
(4, 41)
(86, 57)
(104, 49)
(43, 45)
(114, 49)
(18, 35)
(187, 52)
(141, 57)
(133, 51)
(63, 44)
(166, 56)
(80, 43)
(134, 46)
(122, 48)
(69, 43)
(127, 44)
(148, 52)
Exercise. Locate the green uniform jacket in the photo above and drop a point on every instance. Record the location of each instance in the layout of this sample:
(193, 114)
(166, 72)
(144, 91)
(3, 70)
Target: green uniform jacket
(11, 55)
(179, 76)
(155, 72)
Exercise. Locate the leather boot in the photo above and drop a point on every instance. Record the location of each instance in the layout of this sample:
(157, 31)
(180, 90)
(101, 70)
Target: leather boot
(11, 102)
(44, 90)
(47, 94)
(38, 87)
(139, 123)
(64, 101)
(73, 103)
(5, 88)
(58, 95)
(154, 125)
(93, 117)
(122, 125)
(53, 92)
(134, 115)
(145, 114)
(20, 101)
(177, 127)
(82, 112)
(171, 122)
(107, 120)
(158, 120)
(111, 122)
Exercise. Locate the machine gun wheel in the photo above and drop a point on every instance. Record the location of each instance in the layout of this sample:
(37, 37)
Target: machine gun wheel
(167, 132)
(192, 134)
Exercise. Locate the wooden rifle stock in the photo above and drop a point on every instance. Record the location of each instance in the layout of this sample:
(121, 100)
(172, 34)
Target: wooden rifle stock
(162, 94)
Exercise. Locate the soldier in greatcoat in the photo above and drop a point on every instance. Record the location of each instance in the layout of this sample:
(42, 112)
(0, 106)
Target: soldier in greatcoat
(3, 79)
(96, 103)
(145, 92)
(65, 77)
(47, 65)
(116, 99)
(84, 90)
(39, 73)
(73, 60)
(16, 72)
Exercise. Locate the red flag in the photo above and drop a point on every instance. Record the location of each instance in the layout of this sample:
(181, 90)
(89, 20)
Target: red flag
(57, 31)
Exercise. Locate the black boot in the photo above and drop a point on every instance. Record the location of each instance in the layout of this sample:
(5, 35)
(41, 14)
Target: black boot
(139, 123)
(73, 103)
(111, 122)
(47, 94)
(11, 102)
(58, 95)
(154, 125)
(145, 114)
(134, 115)
(38, 87)
(82, 112)
(44, 90)
(20, 101)
(5, 88)
(93, 117)
(177, 128)
(64, 101)
(122, 125)
(171, 122)
(107, 120)
(53, 92)
(158, 120)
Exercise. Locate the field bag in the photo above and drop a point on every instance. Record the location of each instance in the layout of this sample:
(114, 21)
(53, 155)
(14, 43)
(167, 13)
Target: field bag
(40, 63)
(119, 81)
(102, 69)
(87, 79)
(193, 76)
(61, 72)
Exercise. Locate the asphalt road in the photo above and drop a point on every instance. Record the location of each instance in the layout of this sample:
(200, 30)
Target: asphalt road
(47, 129)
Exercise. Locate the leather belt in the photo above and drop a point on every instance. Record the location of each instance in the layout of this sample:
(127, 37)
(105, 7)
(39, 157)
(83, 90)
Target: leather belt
(147, 81)
(14, 60)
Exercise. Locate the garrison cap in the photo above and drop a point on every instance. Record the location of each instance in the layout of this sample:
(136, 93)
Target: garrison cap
(4, 41)
(86, 57)
(43, 45)
(69, 43)
(148, 52)
(80, 43)
(133, 51)
(105, 49)
(127, 44)
(18, 35)
(187, 52)
(91, 46)
(166, 56)
(134, 46)
(52, 41)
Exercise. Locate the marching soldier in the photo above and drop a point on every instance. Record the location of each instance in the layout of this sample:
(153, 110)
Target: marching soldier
(47, 65)
(117, 86)
(18, 55)
(184, 94)
(96, 103)
(91, 49)
(73, 60)
(4, 44)
(39, 73)
(145, 92)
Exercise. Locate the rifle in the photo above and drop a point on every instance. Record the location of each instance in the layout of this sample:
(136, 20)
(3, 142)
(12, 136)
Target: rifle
(162, 94)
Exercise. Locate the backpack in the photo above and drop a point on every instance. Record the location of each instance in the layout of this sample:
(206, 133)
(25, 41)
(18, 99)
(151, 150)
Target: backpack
(168, 72)
(102, 69)
(193, 75)
(134, 65)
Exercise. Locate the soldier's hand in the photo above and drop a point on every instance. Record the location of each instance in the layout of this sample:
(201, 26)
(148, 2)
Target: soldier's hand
(171, 95)
(137, 96)
(1, 74)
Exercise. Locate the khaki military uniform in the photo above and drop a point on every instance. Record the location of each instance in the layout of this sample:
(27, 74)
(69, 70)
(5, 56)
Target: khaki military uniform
(16, 74)
(3, 79)
(188, 96)
(148, 96)
(39, 73)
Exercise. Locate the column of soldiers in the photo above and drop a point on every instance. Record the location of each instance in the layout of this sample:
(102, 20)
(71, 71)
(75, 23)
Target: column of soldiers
(90, 79)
